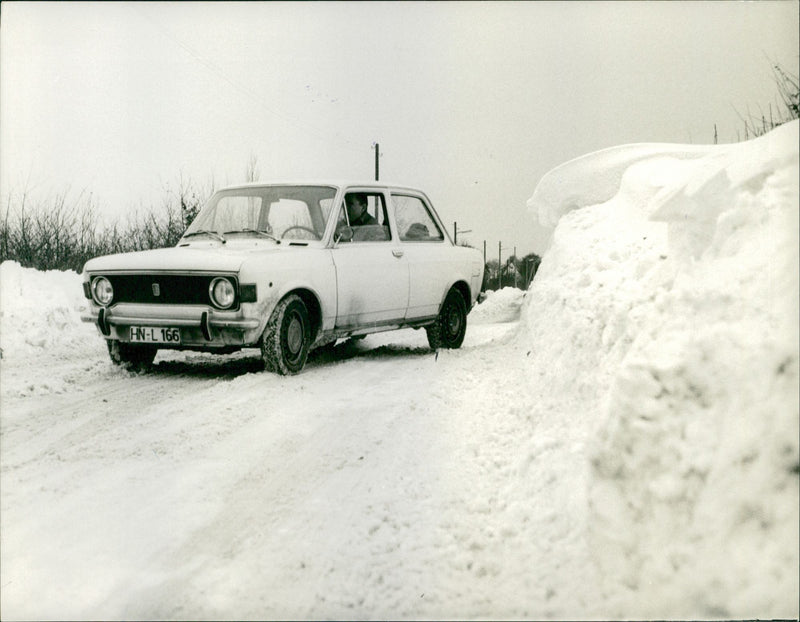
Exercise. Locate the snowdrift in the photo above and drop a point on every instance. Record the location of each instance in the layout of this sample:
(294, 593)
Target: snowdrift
(667, 306)
(503, 305)
(40, 313)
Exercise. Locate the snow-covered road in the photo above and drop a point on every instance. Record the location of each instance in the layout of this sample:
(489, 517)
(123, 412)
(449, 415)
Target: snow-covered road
(382, 482)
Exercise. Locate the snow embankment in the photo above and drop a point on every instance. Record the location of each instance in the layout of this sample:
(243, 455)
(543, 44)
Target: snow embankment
(668, 309)
(40, 311)
(499, 306)
(41, 328)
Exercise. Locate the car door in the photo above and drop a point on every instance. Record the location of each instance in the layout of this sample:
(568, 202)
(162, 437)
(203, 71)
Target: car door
(371, 271)
(427, 251)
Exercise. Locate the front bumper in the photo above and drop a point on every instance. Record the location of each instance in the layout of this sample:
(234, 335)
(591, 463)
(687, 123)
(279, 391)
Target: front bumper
(199, 325)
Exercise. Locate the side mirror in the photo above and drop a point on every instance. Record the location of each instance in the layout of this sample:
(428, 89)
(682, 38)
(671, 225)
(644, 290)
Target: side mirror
(345, 234)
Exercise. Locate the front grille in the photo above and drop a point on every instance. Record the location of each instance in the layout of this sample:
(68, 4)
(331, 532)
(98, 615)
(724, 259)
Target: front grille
(174, 289)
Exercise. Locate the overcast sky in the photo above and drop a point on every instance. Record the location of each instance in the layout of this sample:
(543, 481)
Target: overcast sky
(472, 102)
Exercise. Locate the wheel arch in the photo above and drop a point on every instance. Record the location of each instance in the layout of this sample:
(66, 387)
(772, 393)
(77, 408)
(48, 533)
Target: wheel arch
(313, 306)
(462, 287)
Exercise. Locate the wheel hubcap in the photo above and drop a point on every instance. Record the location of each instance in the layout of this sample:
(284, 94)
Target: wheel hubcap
(453, 322)
(294, 335)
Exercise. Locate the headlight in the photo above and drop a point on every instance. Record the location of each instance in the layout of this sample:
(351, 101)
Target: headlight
(222, 293)
(102, 291)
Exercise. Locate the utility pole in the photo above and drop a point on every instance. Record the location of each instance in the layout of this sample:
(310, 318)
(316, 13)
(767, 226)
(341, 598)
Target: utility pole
(499, 266)
(377, 157)
(483, 284)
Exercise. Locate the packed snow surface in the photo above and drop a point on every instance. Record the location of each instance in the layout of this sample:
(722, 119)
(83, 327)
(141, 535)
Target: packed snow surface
(620, 441)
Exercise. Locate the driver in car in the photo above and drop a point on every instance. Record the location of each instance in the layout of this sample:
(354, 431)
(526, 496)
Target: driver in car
(357, 213)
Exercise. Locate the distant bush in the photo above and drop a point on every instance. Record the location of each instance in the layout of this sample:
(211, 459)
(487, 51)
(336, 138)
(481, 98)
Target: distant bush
(61, 233)
(515, 272)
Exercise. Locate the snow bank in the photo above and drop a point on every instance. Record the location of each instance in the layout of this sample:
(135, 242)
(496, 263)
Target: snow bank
(671, 306)
(40, 311)
(499, 306)
(596, 175)
(40, 330)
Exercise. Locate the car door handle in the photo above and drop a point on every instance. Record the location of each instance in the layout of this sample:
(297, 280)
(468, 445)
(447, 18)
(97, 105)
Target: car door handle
(397, 253)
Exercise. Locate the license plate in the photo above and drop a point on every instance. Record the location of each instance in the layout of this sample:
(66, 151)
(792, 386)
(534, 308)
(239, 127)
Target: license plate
(152, 334)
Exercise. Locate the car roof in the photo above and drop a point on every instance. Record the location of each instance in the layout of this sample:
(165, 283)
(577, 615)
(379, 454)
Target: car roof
(338, 183)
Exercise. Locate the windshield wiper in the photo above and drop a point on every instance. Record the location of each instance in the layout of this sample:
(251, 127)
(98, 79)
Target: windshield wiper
(213, 234)
(261, 232)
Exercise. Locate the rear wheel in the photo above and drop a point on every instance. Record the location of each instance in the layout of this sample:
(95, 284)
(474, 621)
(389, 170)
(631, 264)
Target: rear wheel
(133, 357)
(451, 324)
(287, 337)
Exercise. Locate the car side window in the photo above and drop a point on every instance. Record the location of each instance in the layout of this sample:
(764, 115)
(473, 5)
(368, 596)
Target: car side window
(414, 220)
(364, 214)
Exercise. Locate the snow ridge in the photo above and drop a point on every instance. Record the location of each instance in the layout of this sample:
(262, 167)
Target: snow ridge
(673, 312)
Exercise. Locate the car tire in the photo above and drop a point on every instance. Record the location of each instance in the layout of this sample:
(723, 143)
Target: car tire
(287, 337)
(451, 324)
(134, 358)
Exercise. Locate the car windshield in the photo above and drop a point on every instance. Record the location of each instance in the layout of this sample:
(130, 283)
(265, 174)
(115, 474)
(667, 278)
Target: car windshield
(292, 212)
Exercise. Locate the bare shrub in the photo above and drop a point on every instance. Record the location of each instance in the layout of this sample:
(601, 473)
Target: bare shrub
(787, 107)
(63, 233)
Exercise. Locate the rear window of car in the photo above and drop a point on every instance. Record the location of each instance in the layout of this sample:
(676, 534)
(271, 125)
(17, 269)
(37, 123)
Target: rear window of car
(414, 220)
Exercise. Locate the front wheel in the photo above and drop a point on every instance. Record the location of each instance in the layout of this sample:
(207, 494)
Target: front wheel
(451, 324)
(287, 337)
(135, 358)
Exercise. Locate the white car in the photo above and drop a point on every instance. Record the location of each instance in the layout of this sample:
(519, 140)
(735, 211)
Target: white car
(286, 268)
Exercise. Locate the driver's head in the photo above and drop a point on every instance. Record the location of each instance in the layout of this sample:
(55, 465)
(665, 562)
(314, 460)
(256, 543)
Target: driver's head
(356, 205)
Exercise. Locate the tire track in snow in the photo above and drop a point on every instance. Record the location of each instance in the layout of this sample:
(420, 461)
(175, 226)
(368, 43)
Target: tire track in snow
(311, 484)
(110, 401)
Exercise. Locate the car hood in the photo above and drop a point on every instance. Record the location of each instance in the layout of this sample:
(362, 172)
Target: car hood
(203, 257)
